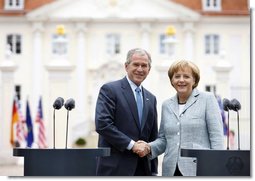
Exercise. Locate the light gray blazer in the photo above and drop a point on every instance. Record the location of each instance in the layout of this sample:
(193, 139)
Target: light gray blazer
(199, 126)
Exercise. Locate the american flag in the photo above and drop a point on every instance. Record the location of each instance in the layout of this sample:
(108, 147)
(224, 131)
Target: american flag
(21, 130)
(41, 130)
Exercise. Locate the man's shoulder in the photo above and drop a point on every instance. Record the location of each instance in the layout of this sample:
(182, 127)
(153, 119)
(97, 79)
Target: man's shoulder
(114, 84)
(148, 92)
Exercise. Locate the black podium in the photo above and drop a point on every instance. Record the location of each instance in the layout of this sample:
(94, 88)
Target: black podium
(60, 162)
(220, 162)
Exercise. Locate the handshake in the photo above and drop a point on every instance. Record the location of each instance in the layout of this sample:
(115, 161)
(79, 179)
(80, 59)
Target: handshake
(141, 148)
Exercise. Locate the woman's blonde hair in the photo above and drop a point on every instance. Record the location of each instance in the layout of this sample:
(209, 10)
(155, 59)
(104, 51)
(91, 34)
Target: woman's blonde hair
(181, 65)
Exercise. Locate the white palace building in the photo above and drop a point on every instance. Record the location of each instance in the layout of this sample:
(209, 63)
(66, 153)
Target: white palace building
(69, 48)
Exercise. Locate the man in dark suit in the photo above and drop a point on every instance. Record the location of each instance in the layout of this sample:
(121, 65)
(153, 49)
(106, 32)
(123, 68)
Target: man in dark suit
(119, 123)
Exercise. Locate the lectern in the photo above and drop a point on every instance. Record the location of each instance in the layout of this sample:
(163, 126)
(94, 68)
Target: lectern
(220, 162)
(60, 162)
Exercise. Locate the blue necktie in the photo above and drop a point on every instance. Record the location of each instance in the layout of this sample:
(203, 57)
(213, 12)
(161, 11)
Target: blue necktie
(139, 104)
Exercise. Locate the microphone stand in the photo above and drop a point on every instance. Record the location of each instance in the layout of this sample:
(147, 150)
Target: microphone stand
(67, 126)
(54, 129)
(228, 133)
(238, 129)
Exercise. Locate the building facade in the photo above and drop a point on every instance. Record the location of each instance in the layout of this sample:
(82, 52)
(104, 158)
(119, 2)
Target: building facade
(65, 48)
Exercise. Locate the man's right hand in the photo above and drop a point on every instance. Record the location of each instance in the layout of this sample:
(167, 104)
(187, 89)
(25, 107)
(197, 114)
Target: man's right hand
(141, 148)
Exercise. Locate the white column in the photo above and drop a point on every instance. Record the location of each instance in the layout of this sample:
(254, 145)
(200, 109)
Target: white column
(36, 65)
(8, 68)
(189, 41)
(145, 42)
(36, 73)
(81, 122)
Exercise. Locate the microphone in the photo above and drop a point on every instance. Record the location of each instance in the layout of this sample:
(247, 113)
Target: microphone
(69, 105)
(236, 106)
(226, 107)
(58, 103)
(226, 104)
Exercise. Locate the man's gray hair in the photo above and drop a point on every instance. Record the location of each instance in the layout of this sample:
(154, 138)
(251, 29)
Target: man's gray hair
(138, 51)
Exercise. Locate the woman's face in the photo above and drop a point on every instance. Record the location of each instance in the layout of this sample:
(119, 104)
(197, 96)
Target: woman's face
(183, 81)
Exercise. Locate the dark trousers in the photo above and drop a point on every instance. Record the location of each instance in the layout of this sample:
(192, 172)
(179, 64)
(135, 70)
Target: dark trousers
(142, 167)
(177, 171)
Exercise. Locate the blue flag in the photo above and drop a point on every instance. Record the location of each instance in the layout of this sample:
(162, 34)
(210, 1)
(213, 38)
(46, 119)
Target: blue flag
(30, 135)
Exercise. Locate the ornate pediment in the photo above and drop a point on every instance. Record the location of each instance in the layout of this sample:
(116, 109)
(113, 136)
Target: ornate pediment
(113, 9)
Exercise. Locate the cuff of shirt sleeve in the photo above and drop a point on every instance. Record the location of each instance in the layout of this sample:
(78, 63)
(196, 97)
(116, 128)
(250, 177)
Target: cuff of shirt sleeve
(130, 145)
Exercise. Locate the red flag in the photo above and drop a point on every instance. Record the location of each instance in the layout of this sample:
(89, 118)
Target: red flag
(41, 133)
(15, 119)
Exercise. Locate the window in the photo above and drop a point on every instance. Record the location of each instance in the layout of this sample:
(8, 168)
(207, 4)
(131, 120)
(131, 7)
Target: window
(212, 42)
(18, 91)
(210, 88)
(14, 41)
(162, 46)
(212, 5)
(14, 4)
(59, 44)
(113, 44)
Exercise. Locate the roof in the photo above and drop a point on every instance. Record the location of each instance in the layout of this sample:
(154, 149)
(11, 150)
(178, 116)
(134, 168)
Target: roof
(229, 7)
(29, 5)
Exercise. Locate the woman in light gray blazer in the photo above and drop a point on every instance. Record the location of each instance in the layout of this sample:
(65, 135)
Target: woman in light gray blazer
(190, 119)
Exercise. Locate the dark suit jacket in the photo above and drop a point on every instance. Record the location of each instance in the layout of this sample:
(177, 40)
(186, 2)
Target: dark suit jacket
(117, 123)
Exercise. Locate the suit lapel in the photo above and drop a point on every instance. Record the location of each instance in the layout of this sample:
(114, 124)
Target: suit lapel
(129, 96)
(174, 106)
(192, 99)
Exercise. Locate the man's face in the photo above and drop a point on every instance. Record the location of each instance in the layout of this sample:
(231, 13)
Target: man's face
(138, 68)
